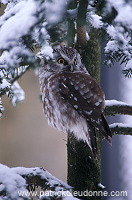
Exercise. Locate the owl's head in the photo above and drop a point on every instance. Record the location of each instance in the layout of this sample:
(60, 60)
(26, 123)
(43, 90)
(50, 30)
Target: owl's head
(67, 59)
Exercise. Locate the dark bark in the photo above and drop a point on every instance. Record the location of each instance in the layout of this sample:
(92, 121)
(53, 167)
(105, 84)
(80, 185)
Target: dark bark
(71, 26)
(83, 170)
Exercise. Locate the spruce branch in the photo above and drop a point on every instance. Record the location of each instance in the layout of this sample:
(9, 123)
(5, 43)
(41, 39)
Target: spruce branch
(20, 182)
(119, 128)
(1, 108)
(114, 107)
(127, 72)
(14, 76)
(19, 73)
(41, 177)
(116, 56)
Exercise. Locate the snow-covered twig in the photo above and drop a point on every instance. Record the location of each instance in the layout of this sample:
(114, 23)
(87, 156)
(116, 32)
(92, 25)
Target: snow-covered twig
(41, 177)
(1, 108)
(120, 128)
(20, 183)
(114, 107)
(16, 94)
(19, 72)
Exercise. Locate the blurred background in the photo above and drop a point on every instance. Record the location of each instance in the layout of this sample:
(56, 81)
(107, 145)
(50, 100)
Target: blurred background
(26, 139)
(117, 159)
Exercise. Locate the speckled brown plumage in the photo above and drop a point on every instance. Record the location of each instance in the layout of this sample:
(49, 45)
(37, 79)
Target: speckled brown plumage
(72, 100)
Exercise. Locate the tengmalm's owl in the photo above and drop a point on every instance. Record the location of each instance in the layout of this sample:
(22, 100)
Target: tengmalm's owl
(73, 101)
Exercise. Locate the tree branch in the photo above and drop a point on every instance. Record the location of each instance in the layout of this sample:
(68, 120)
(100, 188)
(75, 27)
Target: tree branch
(24, 70)
(15, 78)
(114, 107)
(16, 182)
(41, 177)
(71, 25)
(81, 23)
(119, 128)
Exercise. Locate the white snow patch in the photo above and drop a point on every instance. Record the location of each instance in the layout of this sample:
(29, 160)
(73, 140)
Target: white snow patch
(44, 175)
(18, 94)
(96, 21)
(120, 125)
(114, 102)
(46, 51)
(111, 46)
(124, 12)
(11, 181)
(117, 35)
(55, 10)
(122, 16)
(97, 103)
(129, 64)
(101, 186)
(4, 84)
(19, 24)
(111, 30)
(87, 36)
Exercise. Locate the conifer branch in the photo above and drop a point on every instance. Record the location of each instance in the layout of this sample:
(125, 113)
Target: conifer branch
(118, 110)
(121, 129)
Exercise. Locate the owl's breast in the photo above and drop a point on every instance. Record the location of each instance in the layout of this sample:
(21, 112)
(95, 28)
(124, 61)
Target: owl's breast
(59, 112)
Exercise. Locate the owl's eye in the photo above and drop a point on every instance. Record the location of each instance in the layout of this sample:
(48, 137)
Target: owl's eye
(75, 61)
(61, 61)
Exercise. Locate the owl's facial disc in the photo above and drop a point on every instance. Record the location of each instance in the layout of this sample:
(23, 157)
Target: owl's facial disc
(67, 65)
(67, 59)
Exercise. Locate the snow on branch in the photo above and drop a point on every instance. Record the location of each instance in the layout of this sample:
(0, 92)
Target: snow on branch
(120, 128)
(4, 84)
(128, 72)
(114, 107)
(55, 11)
(119, 46)
(20, 183)
(16, 94)
(1, 108)
(9, 85)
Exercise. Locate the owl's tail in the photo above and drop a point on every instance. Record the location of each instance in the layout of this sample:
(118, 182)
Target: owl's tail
(104, 129)
(106, 132)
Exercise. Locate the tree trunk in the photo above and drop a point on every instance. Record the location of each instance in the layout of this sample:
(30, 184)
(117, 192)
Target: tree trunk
(83, 170)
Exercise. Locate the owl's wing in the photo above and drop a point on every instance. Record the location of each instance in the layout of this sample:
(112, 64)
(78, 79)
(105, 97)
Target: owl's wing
(87, 98)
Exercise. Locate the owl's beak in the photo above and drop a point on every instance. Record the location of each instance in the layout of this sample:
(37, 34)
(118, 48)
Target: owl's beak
(69, 68)
(72, 68)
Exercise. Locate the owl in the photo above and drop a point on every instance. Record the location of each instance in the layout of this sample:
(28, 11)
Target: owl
(73, 101)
